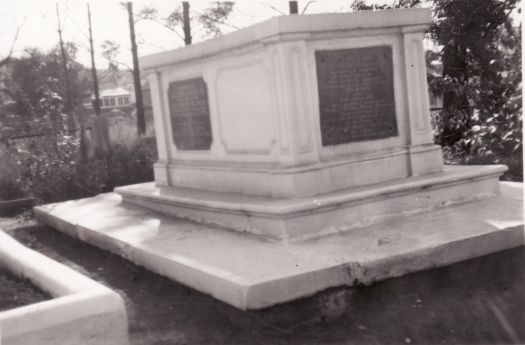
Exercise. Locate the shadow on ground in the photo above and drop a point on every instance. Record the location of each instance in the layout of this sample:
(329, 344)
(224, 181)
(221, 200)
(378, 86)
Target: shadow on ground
(480, 301)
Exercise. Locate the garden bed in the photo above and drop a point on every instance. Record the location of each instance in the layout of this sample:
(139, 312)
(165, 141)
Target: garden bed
(78, 311)
(17, 292)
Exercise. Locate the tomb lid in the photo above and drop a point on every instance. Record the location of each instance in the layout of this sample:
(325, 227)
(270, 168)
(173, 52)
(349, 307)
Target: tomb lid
(288, 27)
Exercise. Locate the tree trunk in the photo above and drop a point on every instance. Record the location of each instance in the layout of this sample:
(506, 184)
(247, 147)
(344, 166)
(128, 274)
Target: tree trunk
(186, 22)
(141, 122)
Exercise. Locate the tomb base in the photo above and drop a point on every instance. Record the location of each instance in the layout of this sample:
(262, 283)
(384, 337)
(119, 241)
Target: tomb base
(308, 217)
(281, 181)
(250, 272)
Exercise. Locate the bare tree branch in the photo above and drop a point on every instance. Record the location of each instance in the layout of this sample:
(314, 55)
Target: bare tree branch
(151, 14)
(202, 15)
(8, 57)
(166, 26)
(272, 7)
(110, 50)
(308, 4)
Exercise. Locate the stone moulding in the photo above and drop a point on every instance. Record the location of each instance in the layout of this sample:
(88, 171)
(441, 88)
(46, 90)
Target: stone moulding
(305, 218)
(82, 311)
(284, 28)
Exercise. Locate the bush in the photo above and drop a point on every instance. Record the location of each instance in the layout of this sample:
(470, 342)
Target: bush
(51, 180)
(53, 169)
(10, 187)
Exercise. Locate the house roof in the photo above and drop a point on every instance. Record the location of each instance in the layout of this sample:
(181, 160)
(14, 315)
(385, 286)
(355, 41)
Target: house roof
(118, 91)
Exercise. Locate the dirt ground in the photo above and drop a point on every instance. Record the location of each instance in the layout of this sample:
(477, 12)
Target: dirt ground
(480, 301)
(16, 292)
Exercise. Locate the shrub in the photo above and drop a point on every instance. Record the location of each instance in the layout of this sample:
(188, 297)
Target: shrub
(10, 187)
(52, 169)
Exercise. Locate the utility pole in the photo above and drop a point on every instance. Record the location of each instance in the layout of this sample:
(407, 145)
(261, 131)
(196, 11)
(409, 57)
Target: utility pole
(294, 7)
(186, 22)
(96, 105)
(64, 62)
(141, 122)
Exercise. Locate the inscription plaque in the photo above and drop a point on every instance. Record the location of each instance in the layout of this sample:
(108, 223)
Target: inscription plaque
(356, 94)
(190, 115)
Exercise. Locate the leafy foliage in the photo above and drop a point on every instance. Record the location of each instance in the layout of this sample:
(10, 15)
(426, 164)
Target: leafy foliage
(36, 68)
(362, 5)
(51, 168)
(214, 16)
(480, 49)
(48, 164)
(10, 187)
(481, 84)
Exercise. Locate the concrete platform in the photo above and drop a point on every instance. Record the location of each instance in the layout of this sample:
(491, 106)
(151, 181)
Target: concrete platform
(249, 272)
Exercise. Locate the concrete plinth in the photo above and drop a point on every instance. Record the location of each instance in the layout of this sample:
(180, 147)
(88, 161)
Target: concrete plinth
(309, 217)
(250, 272)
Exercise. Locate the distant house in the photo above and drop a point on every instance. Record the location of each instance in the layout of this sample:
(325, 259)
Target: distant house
(117, 91)
(115, 98)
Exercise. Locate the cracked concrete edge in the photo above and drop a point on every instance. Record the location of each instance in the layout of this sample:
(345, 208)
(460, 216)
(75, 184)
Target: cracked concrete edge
(441, 255)
(81, 311)
(365, 273)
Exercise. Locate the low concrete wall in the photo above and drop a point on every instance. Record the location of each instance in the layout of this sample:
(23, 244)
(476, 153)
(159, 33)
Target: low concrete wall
(81, 312)
(13, 206)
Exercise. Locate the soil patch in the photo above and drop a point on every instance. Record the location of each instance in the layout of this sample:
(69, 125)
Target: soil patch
(17, 292)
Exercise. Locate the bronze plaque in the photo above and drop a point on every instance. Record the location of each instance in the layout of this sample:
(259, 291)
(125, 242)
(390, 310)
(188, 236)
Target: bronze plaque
(356, 94)
(190, 114)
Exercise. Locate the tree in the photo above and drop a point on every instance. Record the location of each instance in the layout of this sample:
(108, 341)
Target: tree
(78, 75)
(36, 69)
(480, 50)
(139, 103)
(481, 84)
(210, 20)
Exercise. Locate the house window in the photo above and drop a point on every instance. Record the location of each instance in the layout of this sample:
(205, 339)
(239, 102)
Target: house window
(126, 100)
(120, 101)
(106, 102)
(112, 101)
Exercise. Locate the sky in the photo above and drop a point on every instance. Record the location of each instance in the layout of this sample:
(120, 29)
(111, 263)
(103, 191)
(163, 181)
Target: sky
(37, 20)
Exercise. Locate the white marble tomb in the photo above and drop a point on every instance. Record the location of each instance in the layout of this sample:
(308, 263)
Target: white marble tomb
(301, 126)
(310, 137)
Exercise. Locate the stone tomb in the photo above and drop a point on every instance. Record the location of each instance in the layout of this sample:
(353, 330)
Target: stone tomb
(301, 126)
(301, 150)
